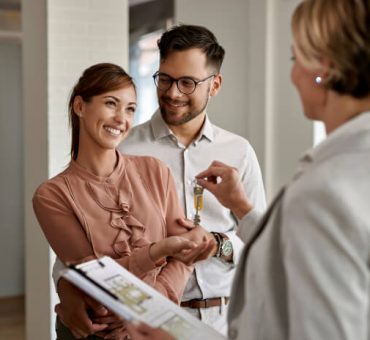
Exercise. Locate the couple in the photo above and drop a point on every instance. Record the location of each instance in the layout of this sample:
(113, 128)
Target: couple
(107, 203)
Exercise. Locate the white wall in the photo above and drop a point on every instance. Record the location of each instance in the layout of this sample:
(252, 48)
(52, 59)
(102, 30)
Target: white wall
(80, 33)
(61, 39)
(227, 20)
(11, 170)
(35, 82)
(257, 100)
(288, 133)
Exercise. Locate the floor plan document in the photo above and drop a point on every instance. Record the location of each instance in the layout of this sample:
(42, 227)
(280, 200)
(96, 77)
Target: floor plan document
(126, 295)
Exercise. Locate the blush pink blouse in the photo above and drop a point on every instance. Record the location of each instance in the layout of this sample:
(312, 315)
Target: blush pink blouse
(84, 216)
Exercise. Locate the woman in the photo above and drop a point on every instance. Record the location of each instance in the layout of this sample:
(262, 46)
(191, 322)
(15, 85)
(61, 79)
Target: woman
(304, 272)
(106, 203)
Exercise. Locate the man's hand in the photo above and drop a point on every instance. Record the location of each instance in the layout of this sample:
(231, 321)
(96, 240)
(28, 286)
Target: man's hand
(73, 310)
(223, 181)
(144, 332)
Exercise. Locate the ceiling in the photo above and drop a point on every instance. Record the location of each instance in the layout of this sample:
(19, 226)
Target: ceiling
(16, 4)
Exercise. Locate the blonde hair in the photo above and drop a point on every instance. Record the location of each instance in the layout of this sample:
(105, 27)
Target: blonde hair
(337, 30)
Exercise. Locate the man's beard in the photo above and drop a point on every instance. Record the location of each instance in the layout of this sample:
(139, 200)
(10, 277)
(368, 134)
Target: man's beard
(188, 116)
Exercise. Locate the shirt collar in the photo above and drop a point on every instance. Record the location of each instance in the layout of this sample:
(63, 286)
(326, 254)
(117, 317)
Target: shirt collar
(161, 130)
(337, 141)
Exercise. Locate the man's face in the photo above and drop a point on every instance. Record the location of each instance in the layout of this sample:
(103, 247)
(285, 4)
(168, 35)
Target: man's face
(178, 108)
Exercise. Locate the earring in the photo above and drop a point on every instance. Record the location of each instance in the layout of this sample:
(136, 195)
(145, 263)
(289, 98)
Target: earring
(318, 80)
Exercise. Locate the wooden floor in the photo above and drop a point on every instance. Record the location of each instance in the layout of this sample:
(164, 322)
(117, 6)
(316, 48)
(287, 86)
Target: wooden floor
(12, 318)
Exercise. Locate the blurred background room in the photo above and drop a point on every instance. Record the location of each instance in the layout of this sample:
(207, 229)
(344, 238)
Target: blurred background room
(44, 47)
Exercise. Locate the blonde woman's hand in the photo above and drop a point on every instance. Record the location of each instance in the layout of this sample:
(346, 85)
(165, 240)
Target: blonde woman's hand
(142, 331)
(223, 181)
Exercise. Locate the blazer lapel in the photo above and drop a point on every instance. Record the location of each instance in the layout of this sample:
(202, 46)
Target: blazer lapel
(238, 298)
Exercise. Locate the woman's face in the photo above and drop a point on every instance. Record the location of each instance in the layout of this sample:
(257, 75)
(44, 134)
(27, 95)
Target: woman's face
(312, 94)
(106, 119)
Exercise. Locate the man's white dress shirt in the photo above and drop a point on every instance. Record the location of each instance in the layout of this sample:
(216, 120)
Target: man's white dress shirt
(213, 277)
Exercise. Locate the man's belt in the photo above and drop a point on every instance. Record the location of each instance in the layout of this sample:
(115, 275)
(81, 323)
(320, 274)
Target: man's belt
(206, 303)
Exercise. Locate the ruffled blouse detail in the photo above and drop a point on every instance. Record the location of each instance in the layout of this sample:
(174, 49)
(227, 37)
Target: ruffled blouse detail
(130, 230)
(130, 235)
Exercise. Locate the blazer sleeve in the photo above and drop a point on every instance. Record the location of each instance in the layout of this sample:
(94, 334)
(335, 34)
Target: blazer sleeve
(252, 181)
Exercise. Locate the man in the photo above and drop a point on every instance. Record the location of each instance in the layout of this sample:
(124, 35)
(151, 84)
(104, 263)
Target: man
(182, 136)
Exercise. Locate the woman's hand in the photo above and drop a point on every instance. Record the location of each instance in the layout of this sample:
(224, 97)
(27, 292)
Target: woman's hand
(170, 246)
(73, 310)
(183, 248)
(116, 329)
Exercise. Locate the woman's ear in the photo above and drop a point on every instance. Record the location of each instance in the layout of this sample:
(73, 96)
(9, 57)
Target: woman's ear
(78, 105)
(216, 85)
(324, 73)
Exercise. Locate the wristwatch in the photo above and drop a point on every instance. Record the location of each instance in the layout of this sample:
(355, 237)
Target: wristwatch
(225, 247)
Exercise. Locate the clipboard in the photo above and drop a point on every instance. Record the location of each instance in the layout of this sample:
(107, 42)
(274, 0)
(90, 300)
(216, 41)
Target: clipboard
(127, 296)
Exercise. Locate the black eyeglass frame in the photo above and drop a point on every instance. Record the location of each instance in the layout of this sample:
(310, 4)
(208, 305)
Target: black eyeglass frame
(196, 82)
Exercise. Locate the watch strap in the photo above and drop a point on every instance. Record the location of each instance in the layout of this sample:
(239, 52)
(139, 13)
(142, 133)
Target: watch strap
(218, 238)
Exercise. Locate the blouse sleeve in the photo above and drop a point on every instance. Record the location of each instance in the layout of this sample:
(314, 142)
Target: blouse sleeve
(172, 279)
(62, 229)
(68, 239)
(175, 274)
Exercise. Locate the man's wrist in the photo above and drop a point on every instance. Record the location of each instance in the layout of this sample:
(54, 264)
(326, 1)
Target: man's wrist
(224, 247)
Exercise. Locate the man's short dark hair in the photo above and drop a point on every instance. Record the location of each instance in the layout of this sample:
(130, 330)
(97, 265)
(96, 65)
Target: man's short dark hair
(184, 37)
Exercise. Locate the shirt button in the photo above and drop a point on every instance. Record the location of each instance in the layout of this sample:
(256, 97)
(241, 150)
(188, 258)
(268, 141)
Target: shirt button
(233, 333)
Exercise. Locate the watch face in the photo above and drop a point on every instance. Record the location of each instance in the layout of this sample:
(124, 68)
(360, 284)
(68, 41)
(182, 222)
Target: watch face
(227, 248)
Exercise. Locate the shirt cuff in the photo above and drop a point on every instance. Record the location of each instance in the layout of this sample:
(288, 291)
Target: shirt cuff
(248, 223)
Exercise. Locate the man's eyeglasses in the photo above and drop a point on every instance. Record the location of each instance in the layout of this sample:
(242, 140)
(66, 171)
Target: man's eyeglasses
(185, 85)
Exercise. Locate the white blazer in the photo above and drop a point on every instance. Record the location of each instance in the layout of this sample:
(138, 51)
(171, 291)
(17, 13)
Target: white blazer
(304, 273)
